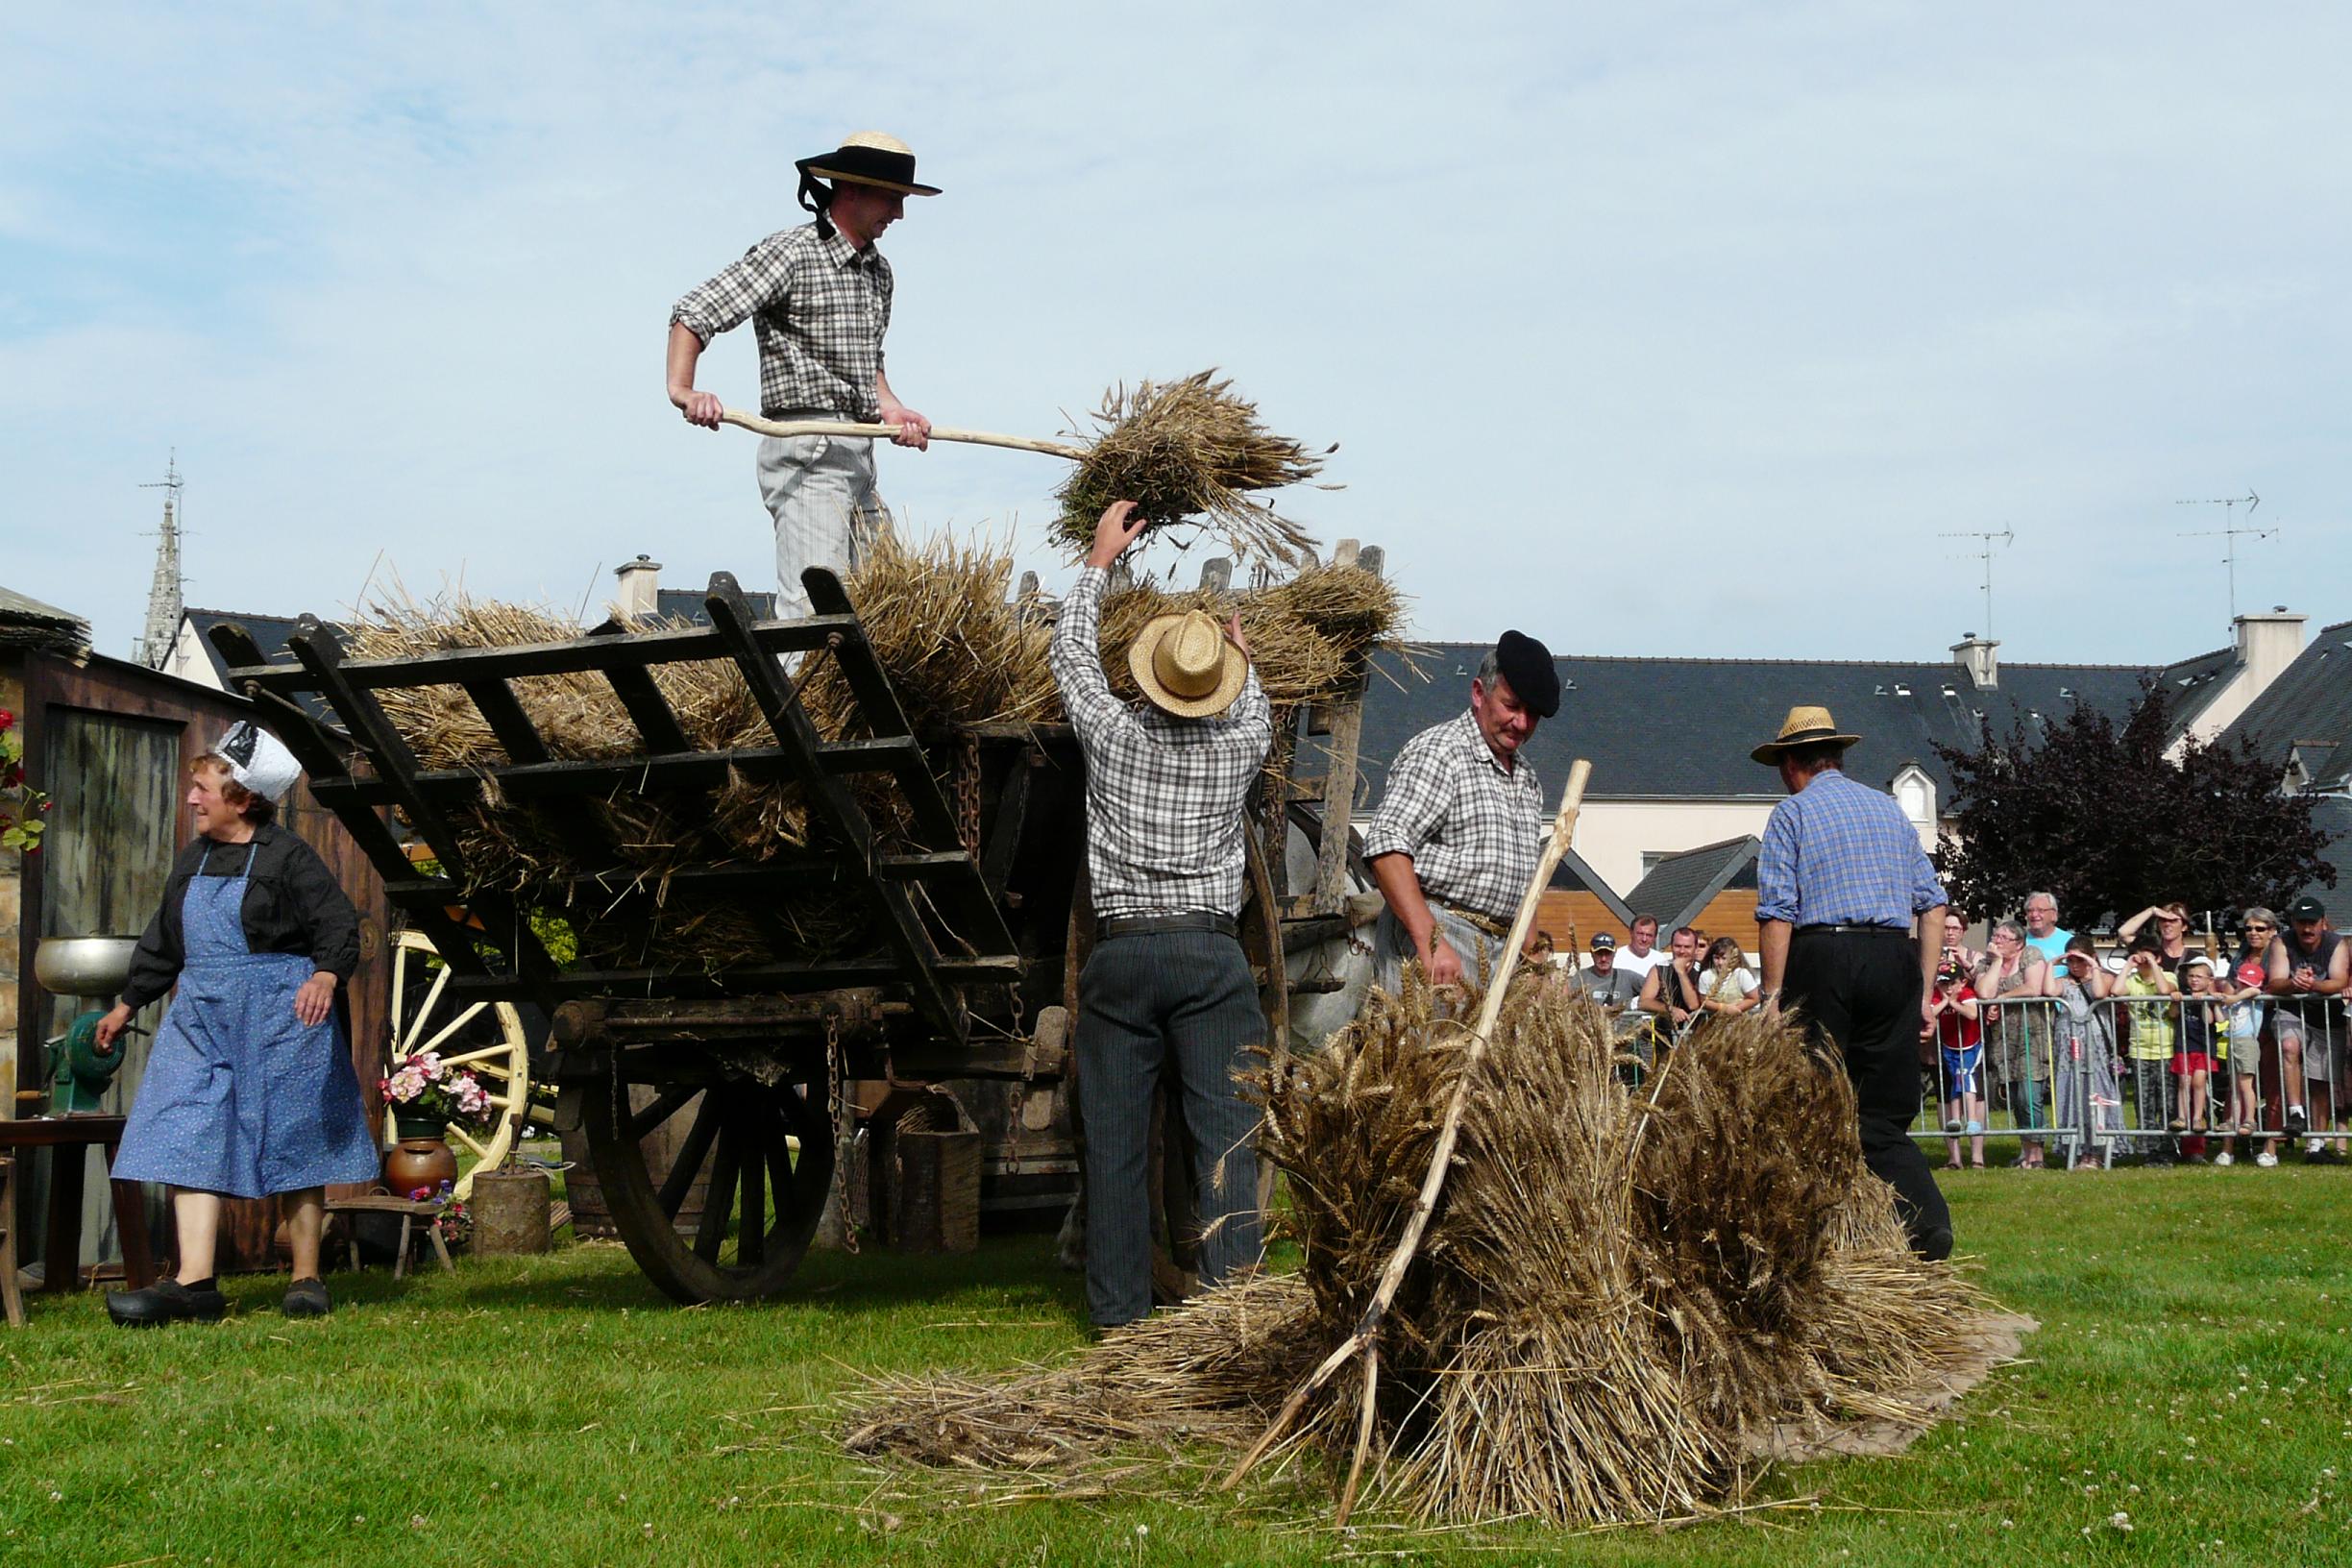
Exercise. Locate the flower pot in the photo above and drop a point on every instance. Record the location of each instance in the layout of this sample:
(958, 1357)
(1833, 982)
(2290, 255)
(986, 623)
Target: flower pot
(422, 1159)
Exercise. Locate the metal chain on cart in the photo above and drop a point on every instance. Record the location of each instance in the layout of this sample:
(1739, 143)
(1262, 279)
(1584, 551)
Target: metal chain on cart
(1021, 1090)
(967, 796)
(838, 1108)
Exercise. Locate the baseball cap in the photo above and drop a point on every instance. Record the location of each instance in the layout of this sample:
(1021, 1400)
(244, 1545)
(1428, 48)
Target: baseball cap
(2307, 909)
(2199, 961)
(1602, 939)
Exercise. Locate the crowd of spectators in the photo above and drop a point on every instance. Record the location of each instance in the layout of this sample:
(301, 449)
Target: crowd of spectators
(2167, 1044)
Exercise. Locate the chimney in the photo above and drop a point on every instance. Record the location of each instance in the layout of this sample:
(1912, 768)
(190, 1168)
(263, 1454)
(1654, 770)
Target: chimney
(2267, 643)
(1974, 655)
(639, 578)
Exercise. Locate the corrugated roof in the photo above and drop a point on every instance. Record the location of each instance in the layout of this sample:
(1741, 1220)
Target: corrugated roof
(25, 622)
(1682, 885)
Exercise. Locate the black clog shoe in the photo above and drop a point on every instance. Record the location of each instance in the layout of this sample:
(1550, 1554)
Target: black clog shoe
(166, 1301)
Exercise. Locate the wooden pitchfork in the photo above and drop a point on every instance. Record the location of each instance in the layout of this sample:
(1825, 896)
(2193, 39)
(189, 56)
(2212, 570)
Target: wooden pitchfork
(1365, 1341)
(938, 433)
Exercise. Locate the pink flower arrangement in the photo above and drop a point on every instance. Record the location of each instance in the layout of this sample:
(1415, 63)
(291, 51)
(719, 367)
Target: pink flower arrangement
(421, 1084)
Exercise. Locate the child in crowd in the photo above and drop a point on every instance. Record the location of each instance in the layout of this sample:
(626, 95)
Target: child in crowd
(2090, 1105)
(2147, 986)
(1960, 1040)
(1727, 986)
(2192, 1057)
(2242, 1012)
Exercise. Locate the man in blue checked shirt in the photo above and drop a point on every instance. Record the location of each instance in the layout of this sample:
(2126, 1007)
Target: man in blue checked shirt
(1853, 920)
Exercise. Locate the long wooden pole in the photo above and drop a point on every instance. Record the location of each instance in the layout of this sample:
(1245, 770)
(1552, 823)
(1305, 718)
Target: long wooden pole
(1364, 1340)
(938, 433)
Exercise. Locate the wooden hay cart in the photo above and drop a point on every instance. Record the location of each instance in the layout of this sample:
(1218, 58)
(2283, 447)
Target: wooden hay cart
(980, 930)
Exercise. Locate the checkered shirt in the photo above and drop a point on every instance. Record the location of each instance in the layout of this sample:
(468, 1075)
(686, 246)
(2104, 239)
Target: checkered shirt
(818, 308)
(1474, 828)
(1842, 853)
(1164, 819)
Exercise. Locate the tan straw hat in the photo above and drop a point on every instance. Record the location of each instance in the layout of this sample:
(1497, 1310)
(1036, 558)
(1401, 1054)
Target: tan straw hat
(1186, 666)
(1804, 727)
(869, 158)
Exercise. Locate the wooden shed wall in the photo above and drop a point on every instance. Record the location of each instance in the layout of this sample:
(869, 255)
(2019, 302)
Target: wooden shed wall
(111, 743)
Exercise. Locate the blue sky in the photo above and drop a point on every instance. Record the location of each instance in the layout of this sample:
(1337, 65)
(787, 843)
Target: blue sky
(1652, 330)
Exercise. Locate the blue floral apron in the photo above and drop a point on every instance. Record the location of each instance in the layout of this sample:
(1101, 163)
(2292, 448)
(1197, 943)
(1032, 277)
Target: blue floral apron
(241, 1097)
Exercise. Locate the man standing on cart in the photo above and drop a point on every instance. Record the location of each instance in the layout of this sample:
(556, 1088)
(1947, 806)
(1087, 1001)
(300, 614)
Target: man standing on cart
(1166, 780)
(1463, 823)
(818, 297)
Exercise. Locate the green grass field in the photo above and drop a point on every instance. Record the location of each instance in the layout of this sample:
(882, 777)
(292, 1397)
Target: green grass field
(2193, 1375)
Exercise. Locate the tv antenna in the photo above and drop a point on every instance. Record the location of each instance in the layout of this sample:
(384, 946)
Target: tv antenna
(2230, 532)
(1984, 538)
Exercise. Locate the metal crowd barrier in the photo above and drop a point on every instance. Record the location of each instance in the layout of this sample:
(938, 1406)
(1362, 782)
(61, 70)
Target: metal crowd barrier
(2091, 1083)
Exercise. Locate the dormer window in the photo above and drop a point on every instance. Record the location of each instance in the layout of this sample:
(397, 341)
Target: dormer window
(1916, 793)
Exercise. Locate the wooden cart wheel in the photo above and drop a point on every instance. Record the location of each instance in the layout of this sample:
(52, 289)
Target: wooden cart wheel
(486, 1038)
(763, 1154)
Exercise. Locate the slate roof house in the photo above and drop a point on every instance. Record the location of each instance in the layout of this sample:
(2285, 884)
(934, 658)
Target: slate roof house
(2302, 723)
(1674, 793)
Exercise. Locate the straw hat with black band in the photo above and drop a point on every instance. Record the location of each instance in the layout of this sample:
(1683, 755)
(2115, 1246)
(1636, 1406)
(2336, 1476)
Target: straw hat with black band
(1804, 727)
(865, 157)
(1186, 666)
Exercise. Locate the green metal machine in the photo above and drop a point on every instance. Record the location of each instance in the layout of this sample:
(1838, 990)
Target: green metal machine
(77, 1072)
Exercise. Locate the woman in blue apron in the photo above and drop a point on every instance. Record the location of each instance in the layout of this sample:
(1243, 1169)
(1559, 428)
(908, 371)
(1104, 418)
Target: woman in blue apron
(249, 1090)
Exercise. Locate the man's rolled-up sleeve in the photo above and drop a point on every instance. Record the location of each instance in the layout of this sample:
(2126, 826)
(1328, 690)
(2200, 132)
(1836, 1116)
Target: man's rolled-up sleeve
(761, 278)
(1412, 806)
(1926, 889)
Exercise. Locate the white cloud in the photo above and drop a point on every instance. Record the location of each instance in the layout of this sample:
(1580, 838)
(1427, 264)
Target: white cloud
(1627, 321)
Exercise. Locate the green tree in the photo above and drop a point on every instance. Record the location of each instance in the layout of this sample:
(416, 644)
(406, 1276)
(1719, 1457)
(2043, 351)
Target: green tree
(2098, 815)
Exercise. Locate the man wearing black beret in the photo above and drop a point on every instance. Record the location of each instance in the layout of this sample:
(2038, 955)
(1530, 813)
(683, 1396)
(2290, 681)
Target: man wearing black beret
(1463, 823)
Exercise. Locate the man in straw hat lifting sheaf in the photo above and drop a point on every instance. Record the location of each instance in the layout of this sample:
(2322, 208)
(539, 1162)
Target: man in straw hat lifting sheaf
(1463, 823)
(819, 300)
(1164, 782)
(1853, 920)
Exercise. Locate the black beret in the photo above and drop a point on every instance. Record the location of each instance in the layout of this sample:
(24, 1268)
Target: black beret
(1527, 665)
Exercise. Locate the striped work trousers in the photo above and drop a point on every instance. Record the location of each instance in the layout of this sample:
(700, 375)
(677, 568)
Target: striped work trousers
(1145, 1002)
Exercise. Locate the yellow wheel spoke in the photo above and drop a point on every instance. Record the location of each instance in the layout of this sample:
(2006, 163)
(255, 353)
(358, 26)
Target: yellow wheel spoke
(423, 1009)
(468, 1139)
(452, 1026)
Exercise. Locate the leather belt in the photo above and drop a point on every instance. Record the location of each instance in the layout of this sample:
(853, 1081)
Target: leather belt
(1137, 925)
(1477, 922)
(1855, 930)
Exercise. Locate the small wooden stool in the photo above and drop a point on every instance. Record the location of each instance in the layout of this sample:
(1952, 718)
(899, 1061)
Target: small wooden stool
(410, 1212)
(10, 1298)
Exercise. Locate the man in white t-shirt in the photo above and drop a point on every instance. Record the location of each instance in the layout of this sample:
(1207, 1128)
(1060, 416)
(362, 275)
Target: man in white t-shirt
(2042, 932)
(1641, 952)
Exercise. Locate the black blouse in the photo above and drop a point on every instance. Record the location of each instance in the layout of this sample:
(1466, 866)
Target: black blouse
(292, 905)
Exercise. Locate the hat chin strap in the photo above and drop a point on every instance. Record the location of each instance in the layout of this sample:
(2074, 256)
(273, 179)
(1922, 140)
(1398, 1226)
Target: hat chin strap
(815, 196)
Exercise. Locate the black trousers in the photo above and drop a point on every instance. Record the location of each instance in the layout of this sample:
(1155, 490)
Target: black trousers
(1861, 992)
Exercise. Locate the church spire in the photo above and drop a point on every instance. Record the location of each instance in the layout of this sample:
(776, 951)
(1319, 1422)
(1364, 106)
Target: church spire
(163, 595)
